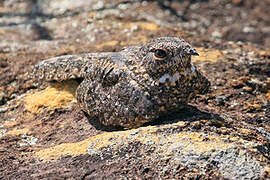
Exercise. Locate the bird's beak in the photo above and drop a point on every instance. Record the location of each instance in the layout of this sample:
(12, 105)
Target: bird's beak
(193, 52)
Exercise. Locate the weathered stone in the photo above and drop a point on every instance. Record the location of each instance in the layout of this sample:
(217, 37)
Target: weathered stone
(224, 134)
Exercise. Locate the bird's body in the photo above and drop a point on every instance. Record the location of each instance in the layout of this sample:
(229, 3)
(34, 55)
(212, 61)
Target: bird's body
(133, 86)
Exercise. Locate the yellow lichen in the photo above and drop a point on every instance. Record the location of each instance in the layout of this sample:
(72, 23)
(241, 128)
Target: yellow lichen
(264, 53)
(193, 141)
(63, 149)
(235, 138)
(245, 131)
(56, 96)
(78, 148)
(180, 124)
(9, 124)
(16, 132)
(187, 141)
(267, 170)
(148, 26)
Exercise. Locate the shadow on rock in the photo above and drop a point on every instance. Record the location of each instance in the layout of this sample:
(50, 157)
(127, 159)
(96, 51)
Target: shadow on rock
(95, 122)
(189, 113)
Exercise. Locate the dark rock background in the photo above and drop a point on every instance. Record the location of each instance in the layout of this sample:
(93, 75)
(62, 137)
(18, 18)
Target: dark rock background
(224, 134)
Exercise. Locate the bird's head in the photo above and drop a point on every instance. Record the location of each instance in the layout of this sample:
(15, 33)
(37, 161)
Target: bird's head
(166, 55)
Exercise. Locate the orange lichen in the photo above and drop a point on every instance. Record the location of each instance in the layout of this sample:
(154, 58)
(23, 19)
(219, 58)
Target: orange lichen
(142, 25)
(264, 53)
(92, 15)
(268, 95)
(148, 26)
(53, 97)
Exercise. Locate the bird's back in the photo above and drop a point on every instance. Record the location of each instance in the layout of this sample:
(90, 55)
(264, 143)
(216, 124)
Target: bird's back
(76, 66)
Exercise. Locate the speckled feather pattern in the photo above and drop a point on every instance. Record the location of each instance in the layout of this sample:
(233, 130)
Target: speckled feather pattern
(133, 86)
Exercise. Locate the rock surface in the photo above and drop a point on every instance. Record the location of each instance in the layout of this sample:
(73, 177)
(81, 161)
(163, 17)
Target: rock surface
(224, 134)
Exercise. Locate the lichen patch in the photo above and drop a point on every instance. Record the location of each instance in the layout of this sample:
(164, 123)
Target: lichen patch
(148, 26)
(268, 95)
(16, 132)
(200, 143)
(55, 152)
(142, 25)
(10, 124)
(56, 96)
(147, 136)
(102, 140)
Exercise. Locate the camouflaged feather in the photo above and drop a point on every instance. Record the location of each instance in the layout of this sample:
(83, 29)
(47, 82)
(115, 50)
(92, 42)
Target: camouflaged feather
(133, 86)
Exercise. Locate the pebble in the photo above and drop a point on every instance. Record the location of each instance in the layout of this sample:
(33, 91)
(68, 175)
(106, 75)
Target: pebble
(3, 109)
(237, 84)
(247, 89)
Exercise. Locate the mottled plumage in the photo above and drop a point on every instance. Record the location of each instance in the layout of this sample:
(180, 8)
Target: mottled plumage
(133, 86)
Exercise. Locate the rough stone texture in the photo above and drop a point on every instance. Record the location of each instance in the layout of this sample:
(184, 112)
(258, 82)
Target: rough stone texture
(223, 134)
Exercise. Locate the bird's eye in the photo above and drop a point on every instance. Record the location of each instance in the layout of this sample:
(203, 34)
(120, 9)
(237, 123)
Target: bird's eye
(160, 53)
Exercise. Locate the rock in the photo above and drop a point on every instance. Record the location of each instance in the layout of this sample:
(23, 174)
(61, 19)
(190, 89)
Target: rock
(220, 135)
(237, 84)
(237, 1)
(3, 109)
(247, 89)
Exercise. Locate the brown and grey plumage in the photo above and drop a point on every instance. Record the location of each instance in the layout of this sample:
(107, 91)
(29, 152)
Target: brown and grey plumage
(133, 86)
